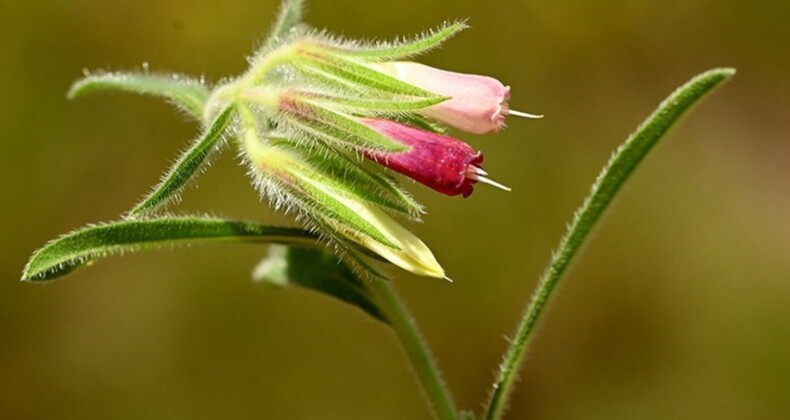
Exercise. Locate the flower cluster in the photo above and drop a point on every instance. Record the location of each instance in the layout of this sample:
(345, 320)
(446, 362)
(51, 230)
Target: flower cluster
(313, 109)
(323, 123)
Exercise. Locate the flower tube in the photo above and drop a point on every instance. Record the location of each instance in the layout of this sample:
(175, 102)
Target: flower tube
(443, 163)
(477, 104)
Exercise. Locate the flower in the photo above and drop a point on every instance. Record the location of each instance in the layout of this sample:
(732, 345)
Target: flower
(477, 104)
(443, 163)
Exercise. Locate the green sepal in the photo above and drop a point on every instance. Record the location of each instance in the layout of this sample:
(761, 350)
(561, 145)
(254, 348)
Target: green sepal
(331, 209)
(399, 50)
(315, 118)
(315, 194)
(327, 204)
(317, 270)
(355, 72)
(358, 256)
(315, 216)
(312, 182)
(334, 82)
(187, 94)
(377, 188)
(81, 247)
(185, 168)
(379, 106)
(421, 122)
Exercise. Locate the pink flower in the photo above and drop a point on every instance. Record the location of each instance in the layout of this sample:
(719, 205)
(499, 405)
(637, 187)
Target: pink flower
(443, 163)
(476, 104)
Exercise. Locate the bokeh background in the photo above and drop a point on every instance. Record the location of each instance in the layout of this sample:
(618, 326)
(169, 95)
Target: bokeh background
(678, 308)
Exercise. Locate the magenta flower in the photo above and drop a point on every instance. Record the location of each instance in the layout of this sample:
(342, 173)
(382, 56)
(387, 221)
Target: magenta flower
(476, 104)
(443, 163)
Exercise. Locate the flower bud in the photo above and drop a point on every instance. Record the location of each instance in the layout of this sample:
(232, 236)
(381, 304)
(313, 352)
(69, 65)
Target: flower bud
(286, 175)
(443, 163)
(477, 104)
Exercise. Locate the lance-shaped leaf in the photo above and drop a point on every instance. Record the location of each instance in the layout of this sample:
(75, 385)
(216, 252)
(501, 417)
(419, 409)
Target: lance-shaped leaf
(188, 94)
(187, 166)
(399, 50)
(83, 246)
(609, 182)
(316, 270)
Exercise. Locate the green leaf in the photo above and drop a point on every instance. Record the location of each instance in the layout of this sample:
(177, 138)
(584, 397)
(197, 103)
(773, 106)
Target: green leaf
(186, 167)
(619, 168)
(317, 270)
(399, 50)
(290, 15)
(83, 246)
(186, 93)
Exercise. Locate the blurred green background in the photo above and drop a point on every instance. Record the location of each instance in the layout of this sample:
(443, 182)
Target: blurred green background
(679, 307)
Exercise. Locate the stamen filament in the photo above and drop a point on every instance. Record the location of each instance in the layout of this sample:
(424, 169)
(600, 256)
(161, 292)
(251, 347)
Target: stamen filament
(476, 170)
(490, 182)
(524, 114)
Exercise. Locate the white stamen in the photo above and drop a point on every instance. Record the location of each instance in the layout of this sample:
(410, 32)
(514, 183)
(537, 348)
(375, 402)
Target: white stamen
(485, 180)
(476, 170)
(448, 279)
(524, 114)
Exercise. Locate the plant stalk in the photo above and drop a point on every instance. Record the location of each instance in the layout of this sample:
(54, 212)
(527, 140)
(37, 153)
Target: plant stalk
(424, 365)
(612, 177)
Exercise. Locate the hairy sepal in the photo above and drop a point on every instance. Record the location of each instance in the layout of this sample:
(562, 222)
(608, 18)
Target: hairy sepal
(353, 71)
(398, 49)
(312, 117)
(329, 204)
(353, 170)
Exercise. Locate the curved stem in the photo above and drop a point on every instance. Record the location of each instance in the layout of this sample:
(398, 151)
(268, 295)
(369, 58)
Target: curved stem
(416, 349)
(606, 186)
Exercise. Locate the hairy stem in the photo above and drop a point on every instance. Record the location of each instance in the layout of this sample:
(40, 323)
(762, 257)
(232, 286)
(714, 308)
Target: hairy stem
(290, 15)
(416, 349)
(606, 186)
